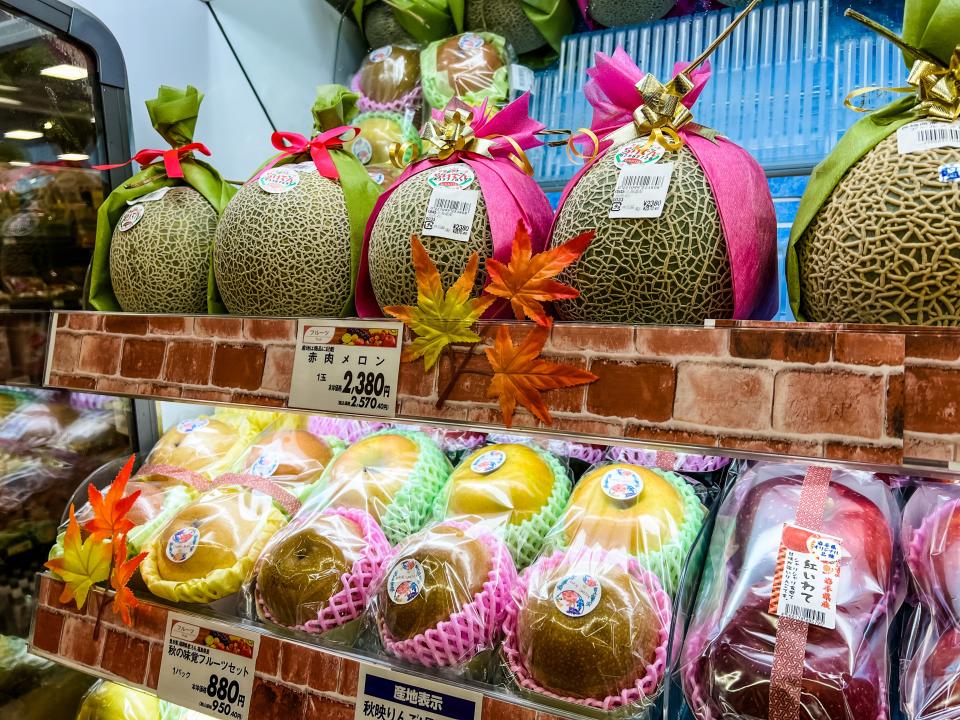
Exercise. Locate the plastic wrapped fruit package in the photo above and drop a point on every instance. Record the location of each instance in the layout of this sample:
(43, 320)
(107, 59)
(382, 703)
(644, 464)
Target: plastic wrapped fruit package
(654, 515)
(34, 424)
(394, 475)
(379, 130)
(518, 491)
(930, 677)
(317, 573)
(443, 596)
(389, 80)
(589, 626)
(837, 572)
(472, 66)
(113, 701)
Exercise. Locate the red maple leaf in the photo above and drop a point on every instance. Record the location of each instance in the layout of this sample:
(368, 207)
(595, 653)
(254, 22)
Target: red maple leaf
(123, 569)
(110, 510)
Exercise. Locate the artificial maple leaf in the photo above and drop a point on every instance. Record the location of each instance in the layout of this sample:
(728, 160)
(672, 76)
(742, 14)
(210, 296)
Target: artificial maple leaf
(110, 510)
(439, 318)
(123, 569)
(82, 565)
(526, 281)
(520, 374)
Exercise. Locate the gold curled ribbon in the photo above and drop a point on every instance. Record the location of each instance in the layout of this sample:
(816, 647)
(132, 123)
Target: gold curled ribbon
(936, 86)
(574, 153)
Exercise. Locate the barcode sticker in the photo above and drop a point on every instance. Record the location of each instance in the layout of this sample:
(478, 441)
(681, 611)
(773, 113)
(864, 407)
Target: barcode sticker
(923, 135)
(450, 213)
(641, 191)
(807, 576)
(521, 79)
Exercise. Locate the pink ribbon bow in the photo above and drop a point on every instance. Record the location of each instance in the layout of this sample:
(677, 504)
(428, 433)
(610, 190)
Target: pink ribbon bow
(171, 158)
(319, 147)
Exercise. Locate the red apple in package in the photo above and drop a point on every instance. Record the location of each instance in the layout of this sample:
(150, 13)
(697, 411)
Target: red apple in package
(852, 595)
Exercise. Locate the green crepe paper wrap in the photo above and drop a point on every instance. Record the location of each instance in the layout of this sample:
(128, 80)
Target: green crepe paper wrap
(928, 25)
(527, 539)
(667, 562)
(173, 114)
(553, 18)
(438, 91)
(425, 20)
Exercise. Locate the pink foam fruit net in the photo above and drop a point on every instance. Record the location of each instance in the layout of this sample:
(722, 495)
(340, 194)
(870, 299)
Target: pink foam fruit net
(410, 100)
(476, 626)
(356, 586)
(646, 686)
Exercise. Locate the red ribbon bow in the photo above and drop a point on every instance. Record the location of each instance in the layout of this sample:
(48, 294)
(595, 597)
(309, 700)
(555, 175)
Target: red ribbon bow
(319, 147)
(171, 158)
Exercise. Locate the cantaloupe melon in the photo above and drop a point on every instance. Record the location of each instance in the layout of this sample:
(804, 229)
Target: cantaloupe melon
(160, 263)
(381, 27)
(885, 246)
(285, 253)
(614, 13)
(671, 269)
(402, 215)
(506, 18)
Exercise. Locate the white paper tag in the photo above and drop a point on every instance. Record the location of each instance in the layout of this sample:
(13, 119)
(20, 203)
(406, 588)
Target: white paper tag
(208, 666)
(641, 191)
(389, 695)
(151, 197)
(923, 135)
(351, 367)
(806, 578)
(302, 167)
(521, 78)
(949, 173)
(450, 213)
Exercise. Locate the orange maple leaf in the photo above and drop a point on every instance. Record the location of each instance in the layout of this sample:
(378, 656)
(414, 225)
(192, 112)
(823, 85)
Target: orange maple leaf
(439, 318)
(526, 281)
(123, 599)
(520, 374)
(110, 511)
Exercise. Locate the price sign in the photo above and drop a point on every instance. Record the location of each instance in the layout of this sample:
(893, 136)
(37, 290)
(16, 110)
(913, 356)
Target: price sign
(352, 366)
(208, 666)
(387, 695)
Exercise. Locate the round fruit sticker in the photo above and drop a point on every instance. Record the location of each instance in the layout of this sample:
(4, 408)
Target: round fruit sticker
(634, 153)
(20, 225)
(457, 176)
(621, 484)
(381, 54)
(131, 217)
(470, 41)
(279, 180)
(265, 465)
(188, 426)
(577, 595)
(488, 461)
(405, 581)
(362, 150)
(377, 177)
(183, 544)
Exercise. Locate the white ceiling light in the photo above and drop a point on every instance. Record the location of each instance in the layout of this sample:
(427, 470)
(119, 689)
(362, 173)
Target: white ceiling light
(19, 163)
(9, 101)
(22, 134)
(73, 156)
(65, 72)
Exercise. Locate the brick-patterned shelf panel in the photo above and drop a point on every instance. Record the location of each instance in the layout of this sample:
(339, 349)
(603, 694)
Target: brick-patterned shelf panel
(844, 393)
(292, 679)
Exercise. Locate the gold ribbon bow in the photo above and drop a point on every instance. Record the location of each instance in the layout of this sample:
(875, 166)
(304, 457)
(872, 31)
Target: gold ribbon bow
(937, 87)
(454, 135)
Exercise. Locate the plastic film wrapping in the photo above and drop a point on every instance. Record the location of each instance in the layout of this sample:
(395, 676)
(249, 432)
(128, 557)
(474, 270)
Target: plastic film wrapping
(472, 66)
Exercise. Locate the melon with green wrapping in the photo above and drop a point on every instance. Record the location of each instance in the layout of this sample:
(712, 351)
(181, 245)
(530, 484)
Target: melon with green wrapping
(614, 13)
(505, 18)
(381, 27)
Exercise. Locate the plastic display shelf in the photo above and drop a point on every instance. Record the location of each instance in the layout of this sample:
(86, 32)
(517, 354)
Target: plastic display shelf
(883, 396)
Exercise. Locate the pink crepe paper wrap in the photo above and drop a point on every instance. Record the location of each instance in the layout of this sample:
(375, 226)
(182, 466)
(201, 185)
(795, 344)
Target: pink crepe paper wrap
(645, 686)
(511, 195)
(408, 101)
(739, 186)
(918, 560)
(357, 585)
(458, 638)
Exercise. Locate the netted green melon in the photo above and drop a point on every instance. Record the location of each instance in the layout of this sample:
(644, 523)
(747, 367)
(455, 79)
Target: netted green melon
(614, 13)
(381, 28)
(285, 253)
(506, 18)
(161, 263)
(885, 246)
(671, 269)
(402, 215)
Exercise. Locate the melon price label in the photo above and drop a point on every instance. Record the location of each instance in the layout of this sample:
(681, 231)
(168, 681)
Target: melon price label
(348, 367)
(807, 577)
(923, 135)
(450, 213)
(208, 666)
(386, 694)
(641, 191)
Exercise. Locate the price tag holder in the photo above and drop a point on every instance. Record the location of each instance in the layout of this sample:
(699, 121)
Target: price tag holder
(208, 666)
(350, 367)
(450, 213)
(385, 693)
(641, 190)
